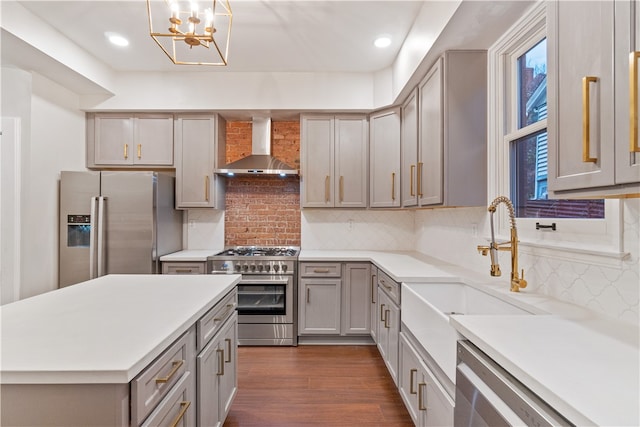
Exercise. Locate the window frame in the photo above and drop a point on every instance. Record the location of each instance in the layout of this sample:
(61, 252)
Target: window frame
(589, 237)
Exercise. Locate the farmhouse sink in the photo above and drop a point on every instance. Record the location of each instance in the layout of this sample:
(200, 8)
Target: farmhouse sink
(426, 308)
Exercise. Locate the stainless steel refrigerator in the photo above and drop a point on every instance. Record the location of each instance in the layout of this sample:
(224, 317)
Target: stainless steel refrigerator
(116, 222)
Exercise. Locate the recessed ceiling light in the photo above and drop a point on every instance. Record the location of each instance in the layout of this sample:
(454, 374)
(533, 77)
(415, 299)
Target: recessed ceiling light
(117, 39)
(382, 41)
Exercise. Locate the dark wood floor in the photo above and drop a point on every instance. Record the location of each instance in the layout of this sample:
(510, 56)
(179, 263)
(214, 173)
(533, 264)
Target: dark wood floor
(315, 385)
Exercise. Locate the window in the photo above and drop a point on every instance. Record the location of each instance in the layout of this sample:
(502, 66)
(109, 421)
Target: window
(518, 147)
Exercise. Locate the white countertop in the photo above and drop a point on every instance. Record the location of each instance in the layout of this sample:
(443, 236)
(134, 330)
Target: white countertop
(193, 255)
(585, 365)
(102, 331)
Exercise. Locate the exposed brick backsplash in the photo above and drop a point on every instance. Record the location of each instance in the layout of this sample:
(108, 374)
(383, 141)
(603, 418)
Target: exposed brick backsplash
(263, 210)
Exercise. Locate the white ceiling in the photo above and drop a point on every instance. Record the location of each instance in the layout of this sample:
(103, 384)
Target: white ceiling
(267, 35)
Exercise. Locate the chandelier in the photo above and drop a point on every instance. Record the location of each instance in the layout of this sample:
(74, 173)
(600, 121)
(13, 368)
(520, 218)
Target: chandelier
(191, 32)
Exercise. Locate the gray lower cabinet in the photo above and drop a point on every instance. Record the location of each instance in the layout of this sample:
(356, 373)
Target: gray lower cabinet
(388, 331)
(334, 299)
(186, 267)
(426, 400)
(373, 282)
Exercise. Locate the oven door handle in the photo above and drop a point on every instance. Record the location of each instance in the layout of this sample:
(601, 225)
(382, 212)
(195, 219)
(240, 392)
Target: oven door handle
(263, 281)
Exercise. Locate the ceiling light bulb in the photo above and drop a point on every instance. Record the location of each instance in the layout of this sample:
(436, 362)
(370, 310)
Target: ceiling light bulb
(382, 41)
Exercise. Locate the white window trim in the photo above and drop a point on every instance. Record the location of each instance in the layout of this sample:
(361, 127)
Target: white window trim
(592, 241)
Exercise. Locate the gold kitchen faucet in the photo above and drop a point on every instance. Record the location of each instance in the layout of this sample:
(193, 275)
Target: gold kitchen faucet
(517, 281)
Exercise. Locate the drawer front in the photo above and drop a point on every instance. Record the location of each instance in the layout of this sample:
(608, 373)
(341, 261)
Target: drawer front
(184, 267)
(320, 269)
(178, 408)
(390, 286)
(153, 384)
(210, 323)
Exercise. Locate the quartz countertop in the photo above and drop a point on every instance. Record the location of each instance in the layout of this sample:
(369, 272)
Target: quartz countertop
(585, 365)
(104, 330)
(193, 255)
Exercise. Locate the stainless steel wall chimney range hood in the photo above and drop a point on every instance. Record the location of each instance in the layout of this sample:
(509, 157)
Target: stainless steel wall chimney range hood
(260, 162)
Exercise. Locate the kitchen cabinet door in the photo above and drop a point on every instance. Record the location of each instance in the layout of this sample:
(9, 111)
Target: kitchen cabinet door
(228, 378)
(388, 332)
(350, 180)
(384, 159)
(356, 299)
(452, 132)
(409, 150)
(408, 377)
(139, 140)
(317, 146)
(581, 62)
(373, 285)
(319, 303)
(200, 142)
(627, 81)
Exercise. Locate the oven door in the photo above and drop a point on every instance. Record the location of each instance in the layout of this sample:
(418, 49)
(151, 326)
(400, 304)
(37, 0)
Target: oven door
(265, 299)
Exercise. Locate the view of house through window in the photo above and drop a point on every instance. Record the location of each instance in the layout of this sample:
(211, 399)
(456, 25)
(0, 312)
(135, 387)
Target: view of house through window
(528, 154)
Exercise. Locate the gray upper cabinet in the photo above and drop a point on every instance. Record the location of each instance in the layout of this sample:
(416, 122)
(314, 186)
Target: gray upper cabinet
(334, 161)
(129, 140)
(384, 159)
(590, 151)
(449, 165)
(200, 142)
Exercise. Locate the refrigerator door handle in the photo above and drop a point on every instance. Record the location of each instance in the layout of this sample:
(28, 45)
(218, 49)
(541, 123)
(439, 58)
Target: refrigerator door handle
(101, 237)
(92, 238)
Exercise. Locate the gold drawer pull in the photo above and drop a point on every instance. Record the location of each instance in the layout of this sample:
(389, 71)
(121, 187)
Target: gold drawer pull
(224, 315)
(412, 171)
(126, 151)
(176, 366)
(206, 188)
(320, 270)
(184, 405)
(373, 292)
(634, 146)
(586, 120)
(386, 319)
(385, 284)
(220, 351)
(411, 381)
(228, 341)
(421, 406)
(382, 319)
(393, 186)
(139, 151)
(308, 295)
(183, 270)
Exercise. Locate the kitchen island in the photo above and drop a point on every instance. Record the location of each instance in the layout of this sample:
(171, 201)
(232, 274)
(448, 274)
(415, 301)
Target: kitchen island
(78, 355)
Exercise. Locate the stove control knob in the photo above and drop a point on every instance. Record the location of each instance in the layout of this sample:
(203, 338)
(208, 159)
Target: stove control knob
(238, 267)
(245, 267)
(253, 267)
(260, 267)
(267, 267)
(284, 268)
(276, 267)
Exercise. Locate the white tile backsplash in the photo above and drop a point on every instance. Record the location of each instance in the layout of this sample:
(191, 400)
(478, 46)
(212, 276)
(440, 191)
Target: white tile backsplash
(205, 229)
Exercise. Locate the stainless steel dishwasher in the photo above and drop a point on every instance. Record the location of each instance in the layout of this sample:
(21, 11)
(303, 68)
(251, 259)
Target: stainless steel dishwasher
(487, 395)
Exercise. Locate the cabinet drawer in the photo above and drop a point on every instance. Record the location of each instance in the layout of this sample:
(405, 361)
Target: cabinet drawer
(157, 379)
(183, 267)
(178, 408)
(320, 269)
(210, 323)
(390, 286)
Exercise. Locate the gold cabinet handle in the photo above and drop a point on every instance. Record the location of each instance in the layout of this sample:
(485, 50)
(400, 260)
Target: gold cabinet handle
(176, 366)
(327, 180)
(419, 178)
(206, 188)
(228, 341)
(586, 120)
(393, 186)
(320, 270)
(634, 146)
(382, 319)
(385, 284)
(224, 315)
(220, 351)
(386, 319)
(421, 406)
(308, 295)
(182, 270)
(411, 381)
(412, 171)
(139, 151)
(341, 188)
(184, 406)
(126, 151)
(373, 293)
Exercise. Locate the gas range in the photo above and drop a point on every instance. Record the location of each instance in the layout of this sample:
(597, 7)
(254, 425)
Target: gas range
(263, 260)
